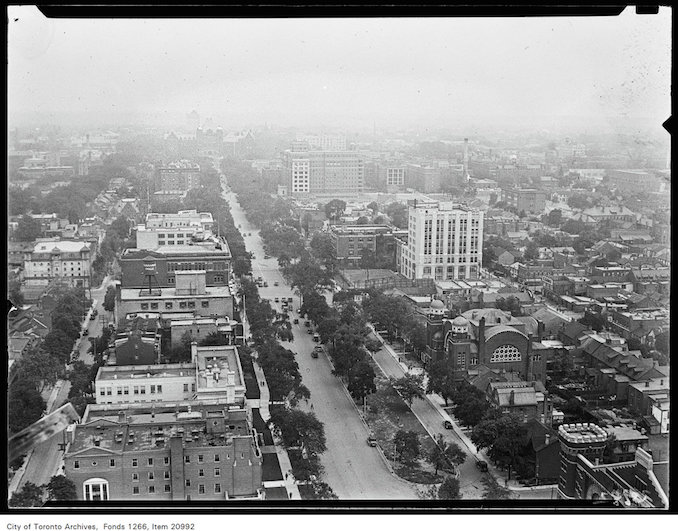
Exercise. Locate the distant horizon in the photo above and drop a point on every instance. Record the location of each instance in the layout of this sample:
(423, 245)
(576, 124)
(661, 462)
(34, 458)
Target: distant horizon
(460, 74)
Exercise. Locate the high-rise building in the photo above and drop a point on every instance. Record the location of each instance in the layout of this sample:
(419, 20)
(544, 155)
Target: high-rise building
(445, 241)
(324, 172)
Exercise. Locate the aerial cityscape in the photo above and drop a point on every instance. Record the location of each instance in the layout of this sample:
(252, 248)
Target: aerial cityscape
(339, 259)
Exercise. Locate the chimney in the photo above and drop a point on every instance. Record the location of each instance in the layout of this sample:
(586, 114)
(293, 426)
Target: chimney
(481, 338)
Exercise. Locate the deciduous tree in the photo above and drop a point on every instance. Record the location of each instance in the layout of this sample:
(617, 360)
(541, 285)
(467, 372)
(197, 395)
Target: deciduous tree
(409, 387)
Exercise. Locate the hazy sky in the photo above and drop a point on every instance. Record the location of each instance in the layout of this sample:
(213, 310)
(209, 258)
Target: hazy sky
(408, 71)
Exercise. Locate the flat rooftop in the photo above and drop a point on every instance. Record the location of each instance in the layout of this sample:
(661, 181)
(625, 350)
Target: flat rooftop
(144, 372)
(139, 429)
(127, 294)
(214, 363)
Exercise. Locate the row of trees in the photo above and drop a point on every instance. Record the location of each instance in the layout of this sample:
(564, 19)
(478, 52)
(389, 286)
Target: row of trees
(395, 316)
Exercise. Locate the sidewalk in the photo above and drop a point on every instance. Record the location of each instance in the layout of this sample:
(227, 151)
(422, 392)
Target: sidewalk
(283, 458)
(437, 402)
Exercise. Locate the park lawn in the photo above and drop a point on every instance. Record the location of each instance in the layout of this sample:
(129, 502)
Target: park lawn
(387, 413)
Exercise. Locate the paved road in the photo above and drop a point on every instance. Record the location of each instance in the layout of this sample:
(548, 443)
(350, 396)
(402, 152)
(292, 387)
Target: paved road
(94, 327)
(353, 469)
(46, 457)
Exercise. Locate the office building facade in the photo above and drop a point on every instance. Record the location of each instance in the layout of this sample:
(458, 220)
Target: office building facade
(445, 241)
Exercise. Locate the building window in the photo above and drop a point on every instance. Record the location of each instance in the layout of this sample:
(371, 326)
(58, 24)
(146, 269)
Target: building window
(216, 458)
(76, 464)
(167, 462)
(205, 304)
(182, 305)
(201, 472)
(160, 389)
(168, 488)
(154, 306)
(153, 389)
(151, 489)
(111, 462)
(217, 488)
(135, 476)
(201, 458)
(185, 388)
(217, 472)
(201, 489)
(150, 461)
(144, 306)
(167, 474)
(135, 490)
(135, 462)
(191, 304)
(142, 390)
(168, 306)
(151, 476)
(505, 353)
(188, 483)
(187, 459)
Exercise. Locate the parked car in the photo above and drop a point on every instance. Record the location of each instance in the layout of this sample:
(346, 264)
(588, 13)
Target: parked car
(296, 321)
(86, 332)
(314, 354)
(447, 424)
(316, 338)
(265, 284)
(266, 257)
(371, 440)
(481, 465)
(289, 299)
(276, 283)
(309, 331)
(92, 317)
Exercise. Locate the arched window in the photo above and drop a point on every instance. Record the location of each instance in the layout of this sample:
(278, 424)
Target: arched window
(95, 489)
(505, 353)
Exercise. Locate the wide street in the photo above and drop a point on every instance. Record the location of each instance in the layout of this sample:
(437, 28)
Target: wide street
(46, 457)
(352, 468)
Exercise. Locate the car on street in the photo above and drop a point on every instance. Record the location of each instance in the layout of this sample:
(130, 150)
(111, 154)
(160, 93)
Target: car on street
(289, 299)
(309, 331)
(481, 465)
(277, 299)
(276, 283)
(265, 284)
(371, 440)
(92, 317)
(316, 337)
(86, 332)
(296, 321)
(266, 257)
(316, 351)
(447, 425)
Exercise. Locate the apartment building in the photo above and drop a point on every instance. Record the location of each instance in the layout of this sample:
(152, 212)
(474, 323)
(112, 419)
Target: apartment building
(178, 176)
(527, 199)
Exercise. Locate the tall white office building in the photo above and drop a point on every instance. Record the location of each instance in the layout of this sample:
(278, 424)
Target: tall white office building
(445, 241)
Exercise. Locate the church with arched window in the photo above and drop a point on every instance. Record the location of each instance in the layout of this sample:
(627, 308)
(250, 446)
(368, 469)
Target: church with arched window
(485, 337)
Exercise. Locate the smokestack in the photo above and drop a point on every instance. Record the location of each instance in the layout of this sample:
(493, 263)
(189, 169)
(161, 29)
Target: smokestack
(465, 159)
